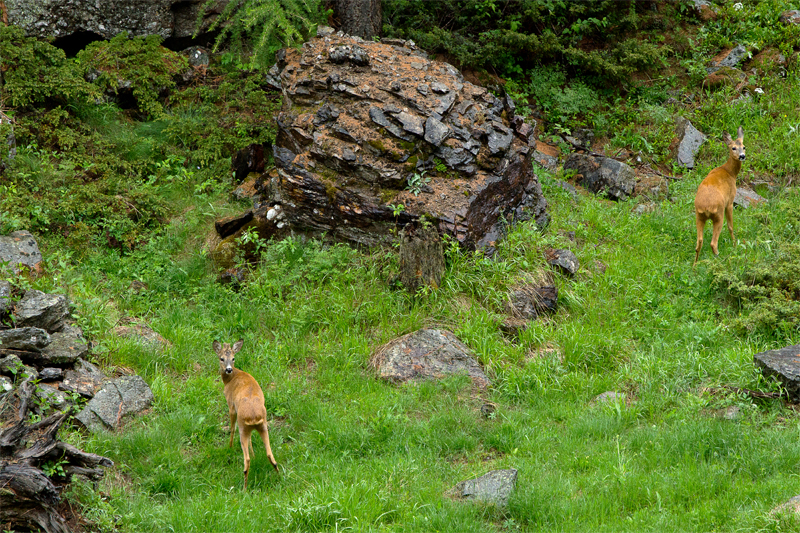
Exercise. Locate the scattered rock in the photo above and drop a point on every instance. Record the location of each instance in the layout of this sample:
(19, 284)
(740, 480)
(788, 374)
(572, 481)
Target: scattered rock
(10, 365)
(603, 174)
(45, 311)
(705, 10)
(427, 354)
(198, 56)
(493, 488)
(609, 397)
(792, 507)
(791, 16)
(143, 334)
(565, 260)
(546, 155)
(84, 379)
(689, 141)
(19, 249)
(66, 346)
(513, 326)
(47, 398)
(51, 374)
(488, 410)
(642, 209)
(784, 365)
(727, 58)
(530, 301)
(746, 197)
(25, 339)
(5, 297)
(118, 397)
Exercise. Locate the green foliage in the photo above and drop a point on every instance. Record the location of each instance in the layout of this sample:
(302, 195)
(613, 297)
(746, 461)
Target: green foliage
(266, 25)
(145, 64)
(767, 293)
(37, 73)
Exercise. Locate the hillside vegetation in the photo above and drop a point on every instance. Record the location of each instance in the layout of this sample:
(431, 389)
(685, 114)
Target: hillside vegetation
(122, 190)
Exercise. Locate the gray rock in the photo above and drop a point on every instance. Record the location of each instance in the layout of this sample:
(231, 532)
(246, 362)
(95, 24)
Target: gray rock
(427, 354)
(273, 78)
(439, 88)
(411, 123)
(494, 487)
(62, 18)
(198, 56)
(435, 131)
(499, 141)
(118, 398)
(51, 374)
(731, 59)
(66, 346)
(609, 397)
(530, 301)
(6, 385)
(46, 397)
(25, 339)
(789, 507)
(378, 117)
(782, 364)
(352, 53)
(19, 249)
(5, 297)
(84, 379)
(791, 16)
(603, 174)
(46, 311)
(564, 260)
(746, 197)
(689, 141)
(10, 365)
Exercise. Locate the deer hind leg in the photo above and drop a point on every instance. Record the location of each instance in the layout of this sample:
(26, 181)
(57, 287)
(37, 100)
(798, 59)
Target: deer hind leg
(701, 224)
(264, 432)
(729, 220)
(233, 428)
(717, 220)
(244, 437)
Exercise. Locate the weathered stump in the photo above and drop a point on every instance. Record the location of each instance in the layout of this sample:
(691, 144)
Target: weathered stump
(421, 258)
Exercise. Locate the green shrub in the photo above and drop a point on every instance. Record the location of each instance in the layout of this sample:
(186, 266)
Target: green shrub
(149, 67)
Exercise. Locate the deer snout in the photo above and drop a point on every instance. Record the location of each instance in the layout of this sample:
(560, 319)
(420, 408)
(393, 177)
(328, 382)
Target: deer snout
(741, 157)
(228, 369)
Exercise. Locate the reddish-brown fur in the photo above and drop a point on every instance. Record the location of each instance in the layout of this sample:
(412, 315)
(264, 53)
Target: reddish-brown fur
(716, 192)
(245, 403)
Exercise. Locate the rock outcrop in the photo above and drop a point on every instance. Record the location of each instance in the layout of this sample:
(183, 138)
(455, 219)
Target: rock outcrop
(366, 126)
(63, 18)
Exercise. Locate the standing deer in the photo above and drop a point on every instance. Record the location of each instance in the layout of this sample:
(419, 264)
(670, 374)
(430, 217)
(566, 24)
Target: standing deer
(716, 193)
(245, 403)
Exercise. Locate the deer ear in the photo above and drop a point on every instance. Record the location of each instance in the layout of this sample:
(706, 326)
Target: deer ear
(238, 345)
(740, 133)
(726, 137)
(217, 346)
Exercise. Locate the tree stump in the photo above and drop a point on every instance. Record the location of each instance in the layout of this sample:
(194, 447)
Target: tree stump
(421, 258)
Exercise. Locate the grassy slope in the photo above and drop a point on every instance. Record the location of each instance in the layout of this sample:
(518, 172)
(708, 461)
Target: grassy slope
(361, 454)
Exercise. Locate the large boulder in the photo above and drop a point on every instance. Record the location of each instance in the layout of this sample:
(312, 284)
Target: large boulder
(427, 354)
(689, 141)
(366, 126)
(783, 365)
(603, 175)
(64, 18)
(46, 311)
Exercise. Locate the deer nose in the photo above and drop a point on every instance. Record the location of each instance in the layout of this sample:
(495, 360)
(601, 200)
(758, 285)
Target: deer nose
(228, 370)
(741, 157)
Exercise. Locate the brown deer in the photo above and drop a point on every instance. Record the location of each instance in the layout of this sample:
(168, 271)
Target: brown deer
(716, 193)
(245, 403)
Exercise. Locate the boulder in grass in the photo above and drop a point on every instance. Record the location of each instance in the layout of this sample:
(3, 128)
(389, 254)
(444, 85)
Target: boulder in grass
(46, 311)
(493, 488)
(427, 354)
(19, 250)
(118, 398)
(602, 175)
(782, 364)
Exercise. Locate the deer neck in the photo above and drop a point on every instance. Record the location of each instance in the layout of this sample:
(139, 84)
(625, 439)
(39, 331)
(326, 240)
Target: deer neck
(732, 166)
(226, 378)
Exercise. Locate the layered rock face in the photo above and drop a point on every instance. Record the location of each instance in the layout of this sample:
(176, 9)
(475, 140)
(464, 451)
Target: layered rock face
(367, 126)
(62, 18)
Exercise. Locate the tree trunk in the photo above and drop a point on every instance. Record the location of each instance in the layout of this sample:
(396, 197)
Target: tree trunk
(358, 17)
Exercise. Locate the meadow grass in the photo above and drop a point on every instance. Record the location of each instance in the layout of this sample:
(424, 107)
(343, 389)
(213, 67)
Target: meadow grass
(359, 454)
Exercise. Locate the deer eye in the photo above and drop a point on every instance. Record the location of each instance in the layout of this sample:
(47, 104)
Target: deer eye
(221, 359)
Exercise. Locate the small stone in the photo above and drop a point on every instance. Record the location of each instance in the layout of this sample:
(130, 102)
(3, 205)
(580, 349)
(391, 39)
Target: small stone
(51, 374)
(564, 260)
(411, 123)
(746, 197)
(494, 487)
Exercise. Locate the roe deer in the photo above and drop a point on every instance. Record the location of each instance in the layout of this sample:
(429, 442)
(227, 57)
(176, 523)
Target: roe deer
(245, 403)
(716, 193)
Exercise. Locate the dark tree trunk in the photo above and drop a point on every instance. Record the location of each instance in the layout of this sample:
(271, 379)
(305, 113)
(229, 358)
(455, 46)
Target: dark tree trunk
(358, 17)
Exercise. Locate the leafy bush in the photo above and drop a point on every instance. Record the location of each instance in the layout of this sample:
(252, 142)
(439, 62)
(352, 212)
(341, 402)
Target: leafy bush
(767, 293)
(37, 73)
(149, 67)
